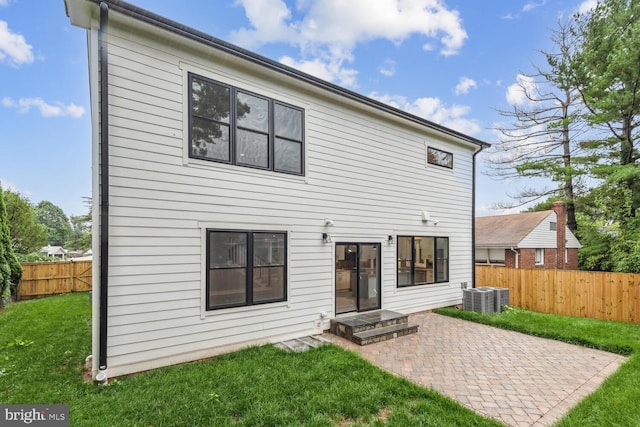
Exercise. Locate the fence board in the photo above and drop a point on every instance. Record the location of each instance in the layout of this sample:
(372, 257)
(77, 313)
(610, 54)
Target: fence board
(52, 278)
(609, 296)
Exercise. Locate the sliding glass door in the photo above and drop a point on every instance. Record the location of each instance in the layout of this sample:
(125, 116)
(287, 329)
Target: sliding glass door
(357, 277)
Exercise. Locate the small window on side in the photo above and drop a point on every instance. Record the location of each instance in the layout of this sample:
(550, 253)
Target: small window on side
(439, 158)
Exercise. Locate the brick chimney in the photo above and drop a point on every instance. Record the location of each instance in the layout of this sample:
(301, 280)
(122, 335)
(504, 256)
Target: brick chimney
(561, 234)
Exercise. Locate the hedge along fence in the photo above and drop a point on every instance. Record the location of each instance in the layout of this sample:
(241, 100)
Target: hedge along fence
(51, 278)
(600, 295)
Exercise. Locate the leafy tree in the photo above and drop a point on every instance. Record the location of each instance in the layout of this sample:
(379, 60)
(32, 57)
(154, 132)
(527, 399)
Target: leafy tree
(10, 268)
(606, 67)
(542, 140)
(81, 230)
(55, 222)
(27, 235)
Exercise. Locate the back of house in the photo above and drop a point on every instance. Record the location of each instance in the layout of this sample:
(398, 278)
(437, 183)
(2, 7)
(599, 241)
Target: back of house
(240, 201)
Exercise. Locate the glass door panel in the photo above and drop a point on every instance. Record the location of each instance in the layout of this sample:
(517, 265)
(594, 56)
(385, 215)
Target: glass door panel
(368, 277)
(346, 278)
(357, 277)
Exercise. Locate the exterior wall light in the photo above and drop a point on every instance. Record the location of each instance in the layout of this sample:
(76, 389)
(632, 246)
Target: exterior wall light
(326, 237)
(390, 239)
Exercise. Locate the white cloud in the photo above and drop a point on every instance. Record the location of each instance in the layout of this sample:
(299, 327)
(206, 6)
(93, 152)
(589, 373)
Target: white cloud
(435, 110)
(23, 105)
(464, 85)
(4, 2)
(522, 90)
(331, 29)
(14, 49)
(7, 185)
(532, 5)
(388, 69)
(13, 187)
(587, 5)
(331, 70)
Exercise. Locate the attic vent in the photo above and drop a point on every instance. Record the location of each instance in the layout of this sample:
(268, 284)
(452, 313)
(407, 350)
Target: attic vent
(553, 226)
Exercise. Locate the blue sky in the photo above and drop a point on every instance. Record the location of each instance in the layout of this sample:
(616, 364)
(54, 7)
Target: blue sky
(451, 61)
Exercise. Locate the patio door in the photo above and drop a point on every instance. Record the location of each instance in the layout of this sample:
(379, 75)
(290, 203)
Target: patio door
(357, 277)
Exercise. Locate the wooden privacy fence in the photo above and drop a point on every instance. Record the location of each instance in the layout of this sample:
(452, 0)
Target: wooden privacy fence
(610, 296)
(51, 278)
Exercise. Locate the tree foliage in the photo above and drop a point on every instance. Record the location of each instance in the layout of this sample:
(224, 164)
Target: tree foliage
(27, 235)
(606, 68)
(10, 268)
(55, 222)
(596, 73)
(542, 138)
(81, 229)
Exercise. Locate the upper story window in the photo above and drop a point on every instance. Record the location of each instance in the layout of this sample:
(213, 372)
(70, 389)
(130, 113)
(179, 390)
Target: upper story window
(553, 226)
(439, 157)
(422, 260)
(230, 125)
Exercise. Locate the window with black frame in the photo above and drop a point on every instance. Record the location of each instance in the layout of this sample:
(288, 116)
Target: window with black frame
(422, 260)
(245, 268)
(439, 158)
(231, 125)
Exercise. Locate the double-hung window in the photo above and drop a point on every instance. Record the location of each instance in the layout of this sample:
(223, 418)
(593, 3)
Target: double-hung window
(234, 126)
(245, 268)
(422, 260)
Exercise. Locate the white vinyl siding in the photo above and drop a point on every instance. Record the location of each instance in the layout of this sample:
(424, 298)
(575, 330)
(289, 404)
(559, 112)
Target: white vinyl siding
(363, 170)
(543, 237)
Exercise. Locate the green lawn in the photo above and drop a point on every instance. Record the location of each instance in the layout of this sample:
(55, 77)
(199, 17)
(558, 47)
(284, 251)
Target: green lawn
(43, 344)
(615, 403)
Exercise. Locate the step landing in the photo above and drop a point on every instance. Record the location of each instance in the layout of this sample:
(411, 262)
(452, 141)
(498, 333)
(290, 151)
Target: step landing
(374, 326)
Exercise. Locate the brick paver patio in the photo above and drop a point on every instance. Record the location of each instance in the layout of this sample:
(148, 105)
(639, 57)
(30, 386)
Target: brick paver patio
(517, 379)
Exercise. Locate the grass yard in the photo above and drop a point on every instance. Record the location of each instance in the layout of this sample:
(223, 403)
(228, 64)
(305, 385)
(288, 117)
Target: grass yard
(615, 403)
(43, 344)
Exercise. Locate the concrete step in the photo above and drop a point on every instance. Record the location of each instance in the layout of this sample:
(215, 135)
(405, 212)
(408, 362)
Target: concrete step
(370, 324)
(385, 333)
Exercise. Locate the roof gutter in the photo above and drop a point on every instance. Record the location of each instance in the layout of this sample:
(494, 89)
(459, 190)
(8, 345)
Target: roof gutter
(104, 188)
(473, 216)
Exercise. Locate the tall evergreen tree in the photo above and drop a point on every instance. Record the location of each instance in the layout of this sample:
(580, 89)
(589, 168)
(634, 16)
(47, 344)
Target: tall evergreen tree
(606, 67)
(10, 268)
(542, 139)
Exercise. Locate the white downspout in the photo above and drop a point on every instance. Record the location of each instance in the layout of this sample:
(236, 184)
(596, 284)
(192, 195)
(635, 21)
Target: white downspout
(517, 256)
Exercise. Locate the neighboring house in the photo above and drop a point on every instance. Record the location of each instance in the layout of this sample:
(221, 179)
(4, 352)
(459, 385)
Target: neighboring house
(527, 240)
(54, 252)
(239, 201)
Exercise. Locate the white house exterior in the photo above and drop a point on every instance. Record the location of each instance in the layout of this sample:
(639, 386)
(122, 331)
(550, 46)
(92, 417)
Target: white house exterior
(245, 202)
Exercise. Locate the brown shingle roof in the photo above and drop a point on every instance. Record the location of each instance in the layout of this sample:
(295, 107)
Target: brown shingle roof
(506, 230)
